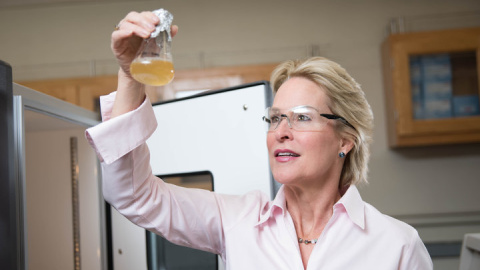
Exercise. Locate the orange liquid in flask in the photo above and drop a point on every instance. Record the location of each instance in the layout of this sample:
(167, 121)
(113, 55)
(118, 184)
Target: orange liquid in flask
(152, 71)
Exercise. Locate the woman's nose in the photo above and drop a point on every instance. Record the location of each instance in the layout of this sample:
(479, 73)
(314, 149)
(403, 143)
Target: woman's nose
(284, 130)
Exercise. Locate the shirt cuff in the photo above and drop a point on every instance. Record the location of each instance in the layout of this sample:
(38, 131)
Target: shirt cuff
(114, 138)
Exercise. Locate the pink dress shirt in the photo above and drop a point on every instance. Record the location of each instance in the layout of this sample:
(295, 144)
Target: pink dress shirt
(248, 231)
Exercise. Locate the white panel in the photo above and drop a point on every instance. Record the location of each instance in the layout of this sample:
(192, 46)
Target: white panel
(222, 133)
(129, 244)
(470, 257)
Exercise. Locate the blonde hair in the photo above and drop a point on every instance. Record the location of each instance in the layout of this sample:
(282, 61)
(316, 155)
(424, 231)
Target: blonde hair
(347, 100)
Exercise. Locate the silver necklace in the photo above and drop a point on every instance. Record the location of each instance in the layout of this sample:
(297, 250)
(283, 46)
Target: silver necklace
(306, 241)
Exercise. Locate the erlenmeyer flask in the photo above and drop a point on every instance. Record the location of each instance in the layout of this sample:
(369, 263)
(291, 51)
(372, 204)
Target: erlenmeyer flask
(153, 64)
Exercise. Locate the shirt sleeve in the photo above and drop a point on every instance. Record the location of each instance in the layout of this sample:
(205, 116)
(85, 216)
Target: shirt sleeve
(114, 138)
(188, 217)
(416, 256)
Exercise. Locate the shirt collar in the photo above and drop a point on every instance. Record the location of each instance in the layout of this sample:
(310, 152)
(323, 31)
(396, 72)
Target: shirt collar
(351, 201)
(278, 203)
(354, 205)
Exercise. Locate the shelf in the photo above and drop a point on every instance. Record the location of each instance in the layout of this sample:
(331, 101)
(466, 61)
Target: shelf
(428, 77)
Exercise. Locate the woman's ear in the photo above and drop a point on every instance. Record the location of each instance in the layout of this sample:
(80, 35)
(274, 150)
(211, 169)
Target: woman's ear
(346, 145)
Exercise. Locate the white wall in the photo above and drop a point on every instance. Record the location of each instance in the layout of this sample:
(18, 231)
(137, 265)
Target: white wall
(429, 187)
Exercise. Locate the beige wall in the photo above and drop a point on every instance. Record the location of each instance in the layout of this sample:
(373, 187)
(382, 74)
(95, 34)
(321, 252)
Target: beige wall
(428, 187)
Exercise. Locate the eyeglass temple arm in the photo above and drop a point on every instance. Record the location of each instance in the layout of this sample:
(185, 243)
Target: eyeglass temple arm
(336, 117)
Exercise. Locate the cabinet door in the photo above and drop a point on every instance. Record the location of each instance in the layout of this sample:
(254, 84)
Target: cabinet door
(11, 247)
(58, 198)
(407, 125)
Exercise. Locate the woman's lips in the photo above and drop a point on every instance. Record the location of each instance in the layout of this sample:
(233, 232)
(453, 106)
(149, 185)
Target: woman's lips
(285, 155)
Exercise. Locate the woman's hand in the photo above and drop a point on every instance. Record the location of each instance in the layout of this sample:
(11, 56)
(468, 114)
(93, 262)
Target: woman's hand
(132, 30)
(126, 41)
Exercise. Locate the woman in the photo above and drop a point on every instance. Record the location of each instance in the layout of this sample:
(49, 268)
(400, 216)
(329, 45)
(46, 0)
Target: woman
(319, 132)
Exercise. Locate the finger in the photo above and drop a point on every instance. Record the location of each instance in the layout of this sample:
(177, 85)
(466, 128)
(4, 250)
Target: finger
(146, 19)
(139, 24)
(174, 30)
(124, 40)
(142, 31)
(151, 16)
(120, 36)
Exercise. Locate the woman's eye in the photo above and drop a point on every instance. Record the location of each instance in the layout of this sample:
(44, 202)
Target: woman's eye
(275, 119)
(303, 117)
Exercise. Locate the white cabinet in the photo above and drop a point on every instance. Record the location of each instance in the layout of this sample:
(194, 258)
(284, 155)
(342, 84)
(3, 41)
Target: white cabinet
(60, 206)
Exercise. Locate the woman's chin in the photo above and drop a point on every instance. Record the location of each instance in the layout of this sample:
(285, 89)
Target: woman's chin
(284, 178)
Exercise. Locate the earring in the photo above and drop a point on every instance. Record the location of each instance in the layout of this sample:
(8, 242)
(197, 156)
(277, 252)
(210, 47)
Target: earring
(341, 154)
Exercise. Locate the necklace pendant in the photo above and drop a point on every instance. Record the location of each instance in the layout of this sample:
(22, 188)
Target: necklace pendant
(307, 242)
